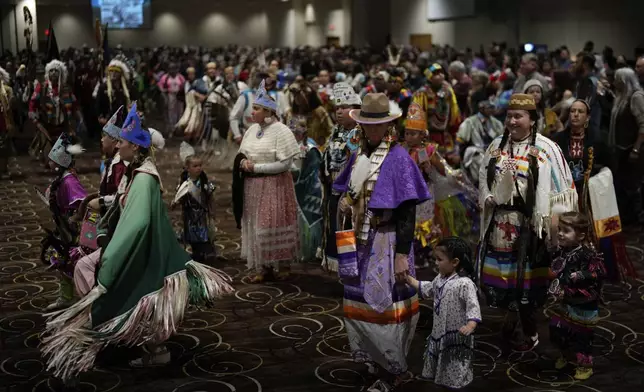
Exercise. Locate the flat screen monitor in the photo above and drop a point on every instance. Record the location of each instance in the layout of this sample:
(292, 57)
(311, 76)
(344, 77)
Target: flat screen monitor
(438, 10)
(123, 14)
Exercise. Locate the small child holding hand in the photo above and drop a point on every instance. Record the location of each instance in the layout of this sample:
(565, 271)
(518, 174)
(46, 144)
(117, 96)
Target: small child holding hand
(450, 347)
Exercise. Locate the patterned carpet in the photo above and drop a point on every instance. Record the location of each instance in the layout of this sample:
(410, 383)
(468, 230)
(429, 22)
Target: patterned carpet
(276, 337)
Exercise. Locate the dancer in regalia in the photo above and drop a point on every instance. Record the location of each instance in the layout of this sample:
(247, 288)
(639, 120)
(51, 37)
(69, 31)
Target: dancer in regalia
(146, 280)
(381, 187)
(52, 108)
(115, 91)
(524, 176)
(269, 208)
(308, 190)
(344, 140)
(580, 270)
(65, 195)
(85, 269)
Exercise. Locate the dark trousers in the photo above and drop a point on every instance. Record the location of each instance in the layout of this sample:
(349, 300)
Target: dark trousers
(627, 178)
(203, 252)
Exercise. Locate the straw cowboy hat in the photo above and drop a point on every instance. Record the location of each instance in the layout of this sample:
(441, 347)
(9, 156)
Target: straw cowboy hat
(375, 110)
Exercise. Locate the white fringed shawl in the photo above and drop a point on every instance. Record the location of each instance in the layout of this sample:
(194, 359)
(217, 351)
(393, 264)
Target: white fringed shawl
(555, 186)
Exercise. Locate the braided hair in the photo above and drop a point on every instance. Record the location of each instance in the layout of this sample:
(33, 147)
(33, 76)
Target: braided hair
(533, 170)
(136, 163)
(457, 248)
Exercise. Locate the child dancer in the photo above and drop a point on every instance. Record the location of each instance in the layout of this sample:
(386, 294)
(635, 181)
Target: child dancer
(425, 155)
(580, 270)
(195, 196)
(64, 195)
(449, 353)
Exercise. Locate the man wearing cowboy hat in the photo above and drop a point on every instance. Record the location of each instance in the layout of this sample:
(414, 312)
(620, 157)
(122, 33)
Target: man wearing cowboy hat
(381, 187)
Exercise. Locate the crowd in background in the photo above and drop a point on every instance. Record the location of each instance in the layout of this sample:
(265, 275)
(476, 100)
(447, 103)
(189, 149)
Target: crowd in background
(610, 82)
(460, 126)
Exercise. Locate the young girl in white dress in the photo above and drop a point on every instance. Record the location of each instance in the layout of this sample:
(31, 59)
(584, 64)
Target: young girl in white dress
(450, 347)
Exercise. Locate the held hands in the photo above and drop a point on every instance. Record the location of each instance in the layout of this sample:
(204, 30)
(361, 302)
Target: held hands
(401, 267)
(345, 207)
(238, 140)
(468, 329)
(490, 202)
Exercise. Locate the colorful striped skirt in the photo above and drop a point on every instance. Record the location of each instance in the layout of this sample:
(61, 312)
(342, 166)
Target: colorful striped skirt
(380, 316)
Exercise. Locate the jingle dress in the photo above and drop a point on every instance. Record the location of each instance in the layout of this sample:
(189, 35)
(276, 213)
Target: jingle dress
(269, 219)
(381, 316)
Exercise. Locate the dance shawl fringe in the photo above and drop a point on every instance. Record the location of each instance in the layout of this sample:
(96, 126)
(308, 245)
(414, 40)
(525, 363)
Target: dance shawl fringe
(566, 201)
(71, 346)
(453, 346)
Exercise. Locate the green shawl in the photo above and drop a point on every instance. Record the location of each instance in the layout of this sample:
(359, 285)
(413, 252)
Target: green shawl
(145, 283)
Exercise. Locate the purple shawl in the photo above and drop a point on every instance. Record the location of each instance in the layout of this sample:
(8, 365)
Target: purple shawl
(399, 180)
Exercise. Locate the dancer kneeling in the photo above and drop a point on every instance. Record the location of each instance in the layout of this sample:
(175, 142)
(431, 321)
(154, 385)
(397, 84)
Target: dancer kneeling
(146, 279)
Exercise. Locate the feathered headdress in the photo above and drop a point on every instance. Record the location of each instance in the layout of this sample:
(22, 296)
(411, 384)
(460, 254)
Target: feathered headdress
(62, 153)
(60, 67)
(263, 99)
(120, 66)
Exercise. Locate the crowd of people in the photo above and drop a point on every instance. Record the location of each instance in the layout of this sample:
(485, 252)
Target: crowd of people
(374, 164)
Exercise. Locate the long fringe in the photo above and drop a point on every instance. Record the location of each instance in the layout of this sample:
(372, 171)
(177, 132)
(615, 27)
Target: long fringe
(453, 346)
(72, 344)
(566, 201)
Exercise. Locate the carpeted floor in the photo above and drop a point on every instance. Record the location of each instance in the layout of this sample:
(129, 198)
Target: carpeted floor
(276, 337)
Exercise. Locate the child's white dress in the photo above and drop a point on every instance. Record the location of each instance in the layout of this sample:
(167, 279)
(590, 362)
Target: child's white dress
(449, 354)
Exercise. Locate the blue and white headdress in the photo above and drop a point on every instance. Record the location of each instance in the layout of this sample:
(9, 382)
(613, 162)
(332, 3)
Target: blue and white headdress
(111, 128)
(62, 153)
(132, 130)
(263, 99)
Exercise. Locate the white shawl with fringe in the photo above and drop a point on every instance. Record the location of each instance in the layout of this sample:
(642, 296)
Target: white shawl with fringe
(555, 186)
